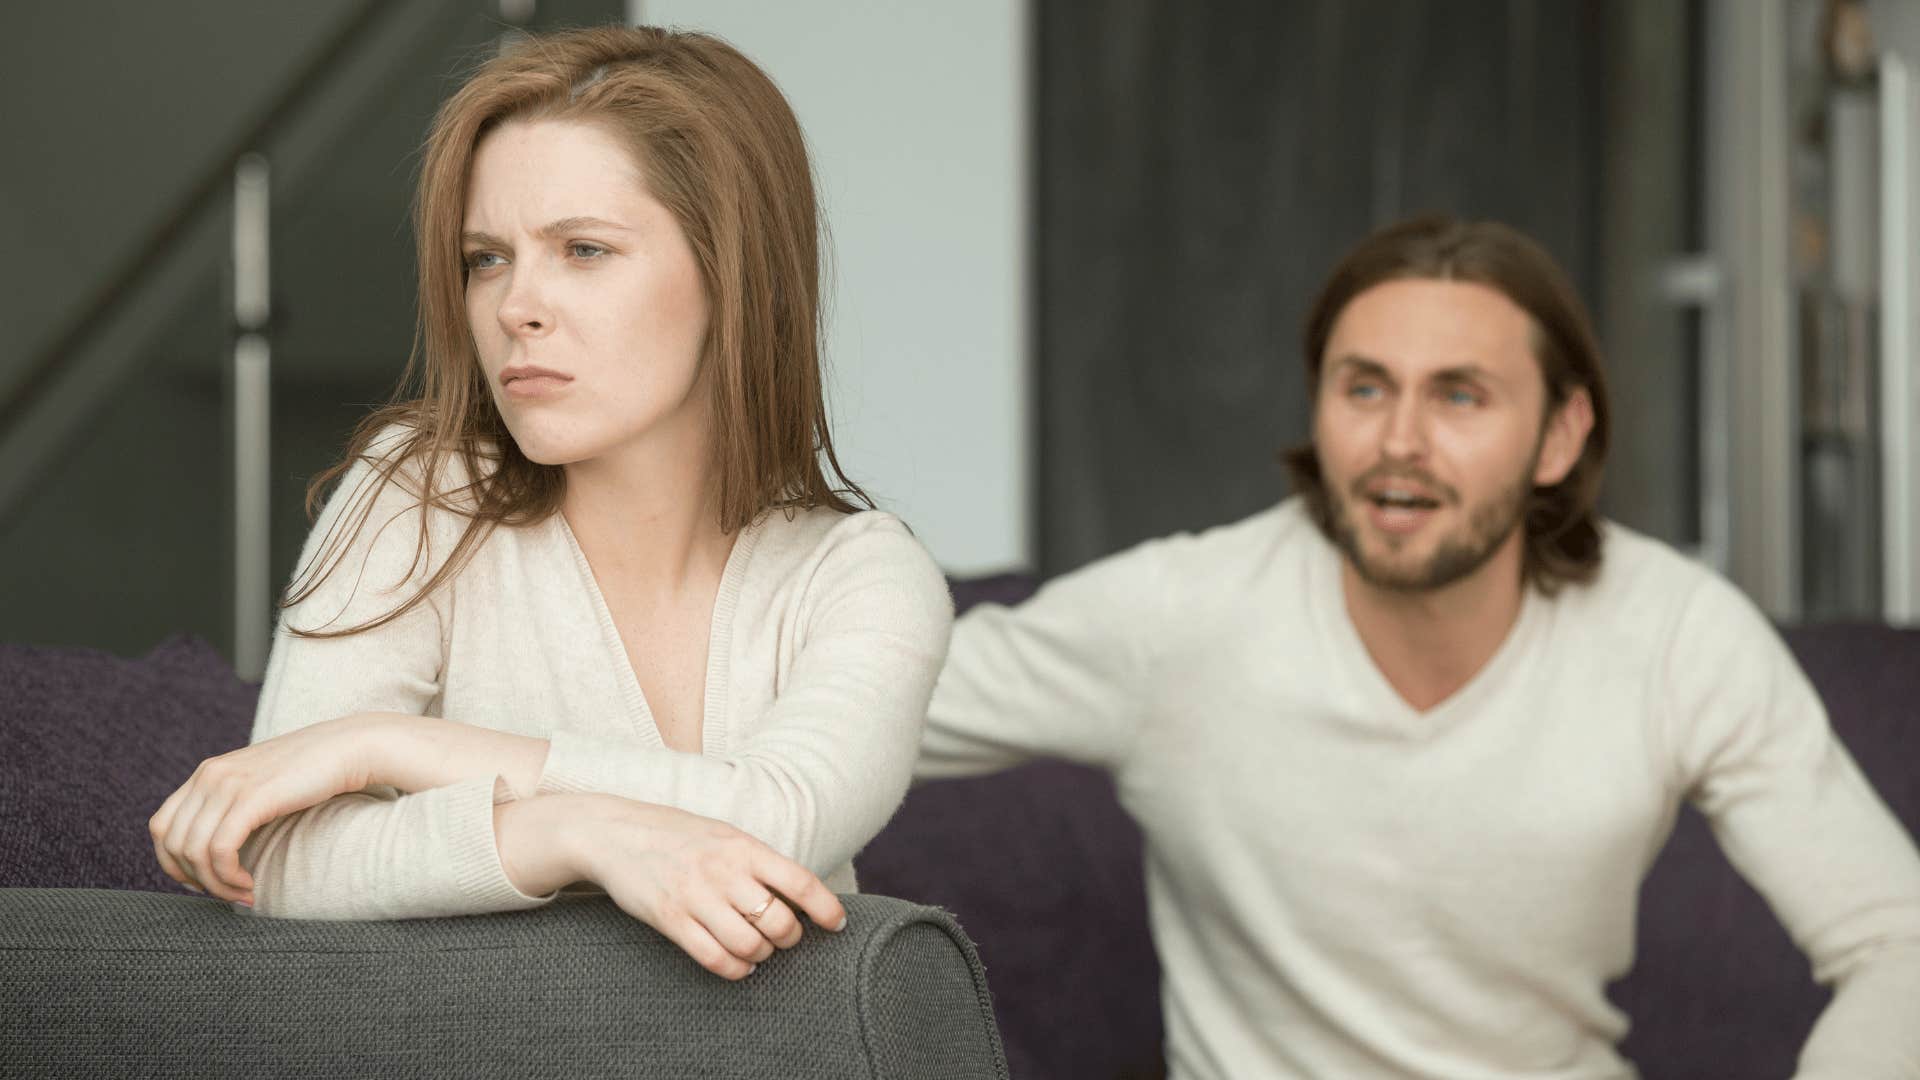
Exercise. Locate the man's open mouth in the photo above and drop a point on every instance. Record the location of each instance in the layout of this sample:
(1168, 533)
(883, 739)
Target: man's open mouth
(1403, 500)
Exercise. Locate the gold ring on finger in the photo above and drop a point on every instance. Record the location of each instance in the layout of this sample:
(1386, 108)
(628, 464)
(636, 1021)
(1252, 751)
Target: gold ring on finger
(761, 910)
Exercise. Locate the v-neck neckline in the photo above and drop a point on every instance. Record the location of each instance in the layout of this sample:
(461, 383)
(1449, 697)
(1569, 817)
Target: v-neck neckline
(1381, 696)
(714, 736)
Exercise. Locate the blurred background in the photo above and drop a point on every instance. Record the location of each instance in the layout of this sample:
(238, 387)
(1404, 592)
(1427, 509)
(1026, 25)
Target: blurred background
(1073, 244)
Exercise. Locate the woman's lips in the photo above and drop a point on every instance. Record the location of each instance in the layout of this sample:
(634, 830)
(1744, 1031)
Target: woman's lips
(533, 383)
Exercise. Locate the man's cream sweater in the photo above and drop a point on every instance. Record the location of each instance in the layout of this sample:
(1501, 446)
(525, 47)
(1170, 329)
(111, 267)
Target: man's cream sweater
(1341, 887)
(827, 634)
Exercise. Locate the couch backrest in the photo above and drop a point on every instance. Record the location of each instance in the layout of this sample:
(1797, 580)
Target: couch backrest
(113, 983)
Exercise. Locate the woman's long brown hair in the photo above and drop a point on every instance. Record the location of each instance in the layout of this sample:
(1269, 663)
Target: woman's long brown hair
(719, 147)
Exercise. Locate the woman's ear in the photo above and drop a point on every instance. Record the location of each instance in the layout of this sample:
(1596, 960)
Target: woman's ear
(1564, 440)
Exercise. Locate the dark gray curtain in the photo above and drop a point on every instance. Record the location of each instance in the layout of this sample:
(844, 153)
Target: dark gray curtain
(1203, 165)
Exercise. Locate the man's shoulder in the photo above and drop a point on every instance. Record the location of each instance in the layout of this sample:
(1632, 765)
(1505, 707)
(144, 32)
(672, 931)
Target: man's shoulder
(1632, 560)
(1279, 531)
(1199, 571)
(1646, 587)
(1225, 561)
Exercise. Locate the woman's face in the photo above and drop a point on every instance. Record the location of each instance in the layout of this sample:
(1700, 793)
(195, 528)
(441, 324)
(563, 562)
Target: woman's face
(586, 305)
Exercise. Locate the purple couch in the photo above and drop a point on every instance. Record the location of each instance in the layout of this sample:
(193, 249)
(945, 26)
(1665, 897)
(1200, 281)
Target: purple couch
(1039, 864)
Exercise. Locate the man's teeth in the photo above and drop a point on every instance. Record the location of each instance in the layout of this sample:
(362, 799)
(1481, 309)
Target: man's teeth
(1403, 499)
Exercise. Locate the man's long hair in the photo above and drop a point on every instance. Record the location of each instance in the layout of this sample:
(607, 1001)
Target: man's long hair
(1561, 522)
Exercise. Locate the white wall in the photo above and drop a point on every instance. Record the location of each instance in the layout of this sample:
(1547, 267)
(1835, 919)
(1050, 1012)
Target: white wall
(916, 113)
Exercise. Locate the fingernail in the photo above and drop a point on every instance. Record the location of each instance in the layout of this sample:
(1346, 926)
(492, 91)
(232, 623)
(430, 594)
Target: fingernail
(753, 969)
(843, 923)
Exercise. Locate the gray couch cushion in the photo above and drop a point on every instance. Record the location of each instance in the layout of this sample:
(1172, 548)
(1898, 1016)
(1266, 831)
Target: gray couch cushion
(99, 983)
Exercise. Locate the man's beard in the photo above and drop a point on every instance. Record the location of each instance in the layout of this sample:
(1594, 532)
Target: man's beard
(1456, 557)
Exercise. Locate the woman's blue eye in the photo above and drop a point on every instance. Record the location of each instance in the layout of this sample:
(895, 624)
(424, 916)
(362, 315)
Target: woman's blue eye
(586, 251)
(479, 260)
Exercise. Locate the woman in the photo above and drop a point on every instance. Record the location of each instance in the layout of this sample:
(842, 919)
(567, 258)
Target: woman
(587, 607)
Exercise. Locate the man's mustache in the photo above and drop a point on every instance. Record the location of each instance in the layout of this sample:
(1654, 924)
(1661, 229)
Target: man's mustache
(1414, 475)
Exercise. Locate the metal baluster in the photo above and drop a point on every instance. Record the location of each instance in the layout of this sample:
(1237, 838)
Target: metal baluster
(252, 411)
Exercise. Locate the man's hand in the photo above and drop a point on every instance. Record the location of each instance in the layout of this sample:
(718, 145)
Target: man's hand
(716, 892)
(198, 830)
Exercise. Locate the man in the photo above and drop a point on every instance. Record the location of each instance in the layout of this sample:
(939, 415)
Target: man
(1404, 746)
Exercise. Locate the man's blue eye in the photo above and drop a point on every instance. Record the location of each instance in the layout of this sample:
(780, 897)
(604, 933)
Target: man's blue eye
(1462, 397)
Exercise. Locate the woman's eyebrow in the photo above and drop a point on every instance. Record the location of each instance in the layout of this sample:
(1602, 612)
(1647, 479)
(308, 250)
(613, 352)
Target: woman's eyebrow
(550, 231)
(554, 229)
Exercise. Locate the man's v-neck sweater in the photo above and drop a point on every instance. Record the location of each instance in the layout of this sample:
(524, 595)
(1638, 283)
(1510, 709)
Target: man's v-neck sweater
(1341, 886)
(827, 634)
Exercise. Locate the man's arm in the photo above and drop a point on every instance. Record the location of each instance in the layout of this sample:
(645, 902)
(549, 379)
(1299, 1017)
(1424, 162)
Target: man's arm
(1067, 674)
(1795, 816)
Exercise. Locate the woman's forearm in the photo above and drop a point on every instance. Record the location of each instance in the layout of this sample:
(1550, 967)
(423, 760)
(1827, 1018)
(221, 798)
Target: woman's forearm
(420, 753)
(371, 855)
(725, 898)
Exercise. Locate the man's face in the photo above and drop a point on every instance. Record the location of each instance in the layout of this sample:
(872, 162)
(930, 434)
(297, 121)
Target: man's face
(1429, 429)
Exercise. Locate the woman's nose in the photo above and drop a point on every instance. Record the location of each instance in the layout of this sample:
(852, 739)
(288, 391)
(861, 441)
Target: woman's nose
(524, 309)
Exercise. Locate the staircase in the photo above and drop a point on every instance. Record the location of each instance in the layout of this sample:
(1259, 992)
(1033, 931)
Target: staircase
(116, 505)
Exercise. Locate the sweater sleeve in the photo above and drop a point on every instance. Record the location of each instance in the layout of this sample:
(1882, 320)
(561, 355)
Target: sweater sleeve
(377, 853)
(830, 760)
(1797, 818)
(1063, 675)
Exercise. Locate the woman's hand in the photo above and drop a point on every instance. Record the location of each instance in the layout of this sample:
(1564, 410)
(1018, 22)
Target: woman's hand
(716, 892)
(198, 831)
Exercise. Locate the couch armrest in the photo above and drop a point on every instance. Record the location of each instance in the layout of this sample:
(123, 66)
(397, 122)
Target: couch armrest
(98, 983)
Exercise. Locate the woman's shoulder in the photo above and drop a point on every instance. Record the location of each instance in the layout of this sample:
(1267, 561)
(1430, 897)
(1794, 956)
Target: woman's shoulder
(400, 475)
(823, 551)
(403, 461)
(812, 525)
(392, 518)
(786, 536)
